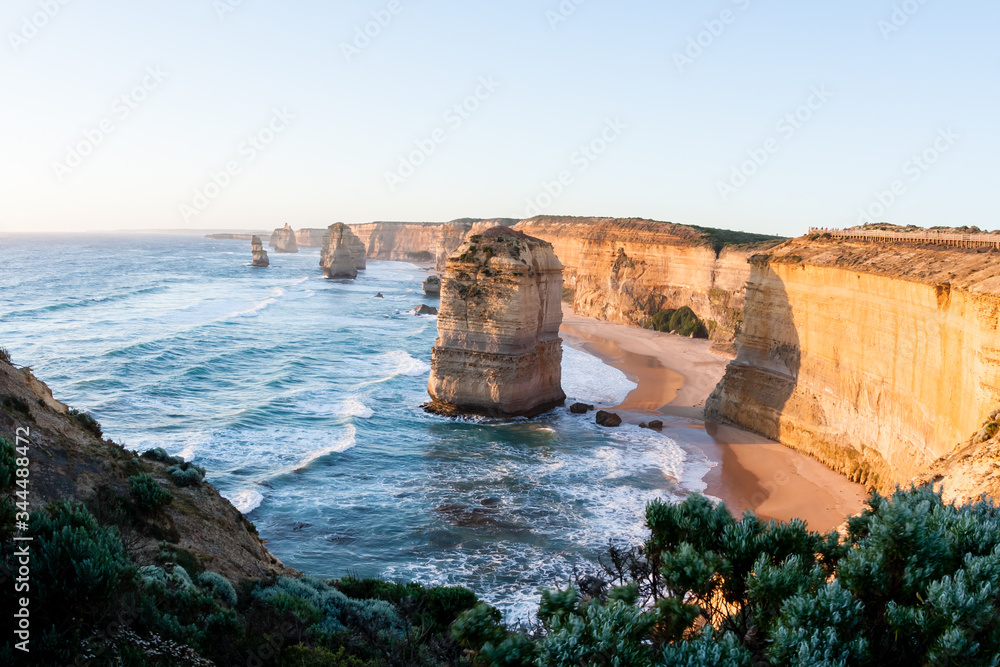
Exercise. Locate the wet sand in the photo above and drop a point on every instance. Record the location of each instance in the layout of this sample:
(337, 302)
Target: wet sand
(675, 376)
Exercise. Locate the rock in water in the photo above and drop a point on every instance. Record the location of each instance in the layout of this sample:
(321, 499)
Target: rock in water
(498, 351)
(608, 419)
(353, 244)
(432, 286)
(337, 261)
(423, 309)
(283, 240)
(259, 254)
(656, 425)
(580, 408)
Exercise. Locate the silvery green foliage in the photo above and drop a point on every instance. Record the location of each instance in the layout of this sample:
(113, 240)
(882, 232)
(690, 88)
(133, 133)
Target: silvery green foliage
(222, 587)
(707, 649)
(335, 610)
(821, 629)
(597, 633)
(172, 576)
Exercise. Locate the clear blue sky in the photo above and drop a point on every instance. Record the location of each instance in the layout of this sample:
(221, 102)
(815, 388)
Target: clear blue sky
(673, 130)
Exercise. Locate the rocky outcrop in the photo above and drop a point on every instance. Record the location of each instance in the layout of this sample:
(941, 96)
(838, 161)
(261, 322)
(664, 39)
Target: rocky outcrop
(336, 233)
(875, 359)
(259, 254)
(498, 351)
(627, 270)
(424, 309)
(432, 286)
(337, 260)
(310, 238)
(283, 240)
(71, 461)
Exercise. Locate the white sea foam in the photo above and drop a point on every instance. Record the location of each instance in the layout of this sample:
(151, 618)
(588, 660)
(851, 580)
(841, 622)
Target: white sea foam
(588, 379)
(345, 442)
(353, 407)
(254, 310)
(246, 500)
(401, 363)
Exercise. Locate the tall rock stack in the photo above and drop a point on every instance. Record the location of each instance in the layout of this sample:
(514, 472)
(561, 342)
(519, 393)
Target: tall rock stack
(283, 240)
(336, 259)
(498, 351)
(354, 245)
(259, 254)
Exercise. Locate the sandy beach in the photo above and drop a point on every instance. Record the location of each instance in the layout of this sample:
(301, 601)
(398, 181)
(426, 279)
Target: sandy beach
(675, 376)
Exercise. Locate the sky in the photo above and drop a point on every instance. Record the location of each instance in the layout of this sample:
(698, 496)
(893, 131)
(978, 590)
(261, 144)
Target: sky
(769, 116)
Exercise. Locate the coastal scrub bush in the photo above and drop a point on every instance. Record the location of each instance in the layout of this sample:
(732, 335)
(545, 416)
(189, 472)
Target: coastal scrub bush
(916, 581)
(160, 454)
(681, 321)
(8, 464)
(186, 474)
(222, 587)
(435, 607)
(147, 493)
(87, 422)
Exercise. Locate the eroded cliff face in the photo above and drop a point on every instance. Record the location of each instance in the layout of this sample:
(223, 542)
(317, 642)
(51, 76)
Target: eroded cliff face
(875, 359)
(498, 350)
(283, 240)
(626, 270)
(421, 241)
(259, 254)
(342, 253)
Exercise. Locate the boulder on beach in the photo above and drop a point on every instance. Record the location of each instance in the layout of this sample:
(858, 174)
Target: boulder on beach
(424, 309)
(432, 286)
(608, 419)
(656, 425)
(580, 408)
(259, 254)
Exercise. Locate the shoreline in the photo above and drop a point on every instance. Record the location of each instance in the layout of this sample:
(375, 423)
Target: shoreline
(674, 377)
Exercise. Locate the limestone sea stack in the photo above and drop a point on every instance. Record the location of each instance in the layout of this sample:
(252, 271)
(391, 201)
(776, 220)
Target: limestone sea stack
(283, 240)
(353, 244)
(337, 261)
(432, 286)
(498, 351)
(259, 254)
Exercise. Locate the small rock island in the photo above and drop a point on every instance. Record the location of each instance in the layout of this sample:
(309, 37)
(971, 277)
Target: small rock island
(283, 240)
(259, 254)
(342, 254)
(498, 351)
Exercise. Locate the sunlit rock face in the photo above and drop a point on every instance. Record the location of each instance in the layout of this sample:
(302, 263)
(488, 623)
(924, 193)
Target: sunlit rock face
(283, 240)
(337, 259)
(338, 235)
(498, 351)
(259, 254)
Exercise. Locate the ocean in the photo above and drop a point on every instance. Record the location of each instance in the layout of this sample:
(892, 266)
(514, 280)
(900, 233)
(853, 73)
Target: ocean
(302, 398)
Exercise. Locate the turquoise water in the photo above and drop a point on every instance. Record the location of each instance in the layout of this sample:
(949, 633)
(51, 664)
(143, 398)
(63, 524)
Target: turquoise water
(302, 398)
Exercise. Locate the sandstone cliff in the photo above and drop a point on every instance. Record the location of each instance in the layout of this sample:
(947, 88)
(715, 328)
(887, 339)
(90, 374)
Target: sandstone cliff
(283, 240)
(627, 270)
(69, 460)
(337, 260)
(340, 233)
(498, 350)
(432, 286)
(875, 359)
(421, 241)
(259, 254)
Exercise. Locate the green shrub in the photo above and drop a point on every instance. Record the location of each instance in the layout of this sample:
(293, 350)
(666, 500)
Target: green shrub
(5, 356)
(87, 422)
(435, 606)
(160, 454)
(15, 404)
(681, 321)
(147, 493)
(8, 464)
(186, 474)
(222, 587)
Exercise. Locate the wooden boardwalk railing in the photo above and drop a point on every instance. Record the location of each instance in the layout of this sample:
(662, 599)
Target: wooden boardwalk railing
(944, 238)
